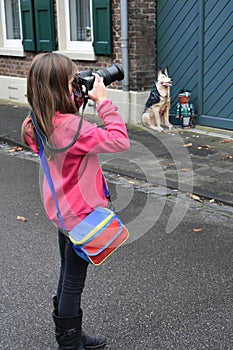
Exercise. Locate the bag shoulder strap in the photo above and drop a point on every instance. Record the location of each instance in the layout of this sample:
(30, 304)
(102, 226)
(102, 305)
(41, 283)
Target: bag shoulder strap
(46, 170)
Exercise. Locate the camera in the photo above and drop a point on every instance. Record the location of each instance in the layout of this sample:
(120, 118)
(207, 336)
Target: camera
(86, 77)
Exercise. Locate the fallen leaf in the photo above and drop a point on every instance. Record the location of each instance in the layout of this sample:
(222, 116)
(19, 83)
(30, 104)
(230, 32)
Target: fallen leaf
(188, 145)
(204, 147)
(199, 229)
(226, 141)
(15, 149)
(131, 182)
(195, 197)
(227, 157)
(185, 170)
(21, 218)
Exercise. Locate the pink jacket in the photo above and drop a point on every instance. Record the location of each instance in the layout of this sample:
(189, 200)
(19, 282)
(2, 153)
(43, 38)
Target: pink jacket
(76, 173)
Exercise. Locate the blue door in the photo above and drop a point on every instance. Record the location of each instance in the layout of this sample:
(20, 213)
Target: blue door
(195, 40)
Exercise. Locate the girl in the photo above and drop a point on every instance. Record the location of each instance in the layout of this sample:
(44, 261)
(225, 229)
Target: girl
(76, 173)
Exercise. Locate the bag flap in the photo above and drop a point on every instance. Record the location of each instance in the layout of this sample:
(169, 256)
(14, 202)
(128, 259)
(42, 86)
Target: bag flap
(100, 258)
(104, 239)
(90, 226)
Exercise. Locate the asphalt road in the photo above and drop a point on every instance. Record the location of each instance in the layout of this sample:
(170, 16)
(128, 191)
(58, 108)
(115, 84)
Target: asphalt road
(168, 288)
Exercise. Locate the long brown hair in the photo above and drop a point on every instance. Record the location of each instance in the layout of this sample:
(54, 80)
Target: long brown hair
(48, 90)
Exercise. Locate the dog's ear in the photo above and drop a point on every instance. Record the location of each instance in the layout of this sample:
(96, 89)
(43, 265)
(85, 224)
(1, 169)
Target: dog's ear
(166, 71)
(159, 72)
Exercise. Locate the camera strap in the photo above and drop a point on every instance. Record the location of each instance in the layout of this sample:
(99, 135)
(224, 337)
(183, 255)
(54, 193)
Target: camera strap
(46, 145)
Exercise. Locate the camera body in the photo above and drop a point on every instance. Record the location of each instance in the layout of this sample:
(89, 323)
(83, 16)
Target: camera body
(86, 77)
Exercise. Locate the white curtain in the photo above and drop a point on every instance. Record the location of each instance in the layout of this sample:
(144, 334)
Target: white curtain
(80, 20)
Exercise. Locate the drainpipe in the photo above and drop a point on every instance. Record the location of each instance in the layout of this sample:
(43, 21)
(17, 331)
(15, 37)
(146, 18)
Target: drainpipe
(125, 60)
(124, 43)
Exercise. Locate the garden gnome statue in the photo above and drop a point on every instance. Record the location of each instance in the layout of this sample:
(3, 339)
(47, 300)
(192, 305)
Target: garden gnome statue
(185, 110)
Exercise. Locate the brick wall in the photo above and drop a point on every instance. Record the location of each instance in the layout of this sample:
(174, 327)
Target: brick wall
(15, 66)
(142, 51)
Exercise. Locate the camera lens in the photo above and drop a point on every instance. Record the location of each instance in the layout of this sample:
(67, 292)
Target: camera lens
(111, 74)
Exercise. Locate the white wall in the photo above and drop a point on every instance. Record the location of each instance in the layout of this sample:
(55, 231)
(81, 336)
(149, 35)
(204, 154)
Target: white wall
(13, 89)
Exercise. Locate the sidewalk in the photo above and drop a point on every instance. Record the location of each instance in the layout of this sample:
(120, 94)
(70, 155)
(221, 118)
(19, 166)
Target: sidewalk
(198, 161)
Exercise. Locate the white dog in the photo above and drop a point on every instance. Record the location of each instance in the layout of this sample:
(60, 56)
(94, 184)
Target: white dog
(158, 104)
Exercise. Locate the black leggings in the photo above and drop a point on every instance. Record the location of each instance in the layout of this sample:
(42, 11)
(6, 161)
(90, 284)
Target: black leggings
(72, 279)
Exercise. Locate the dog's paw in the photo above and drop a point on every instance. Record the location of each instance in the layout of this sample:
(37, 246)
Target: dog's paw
(156, 128)
(169, 126)
(160, 129)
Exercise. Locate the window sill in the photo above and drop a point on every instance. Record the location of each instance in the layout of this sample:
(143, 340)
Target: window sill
(8, 51)
(77, 55)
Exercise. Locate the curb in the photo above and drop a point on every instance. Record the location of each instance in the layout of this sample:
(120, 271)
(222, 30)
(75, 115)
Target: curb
(6, 139)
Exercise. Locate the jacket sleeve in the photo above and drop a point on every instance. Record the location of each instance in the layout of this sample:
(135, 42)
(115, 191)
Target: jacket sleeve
(94, 140)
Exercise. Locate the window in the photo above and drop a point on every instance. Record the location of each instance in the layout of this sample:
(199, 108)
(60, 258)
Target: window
(78, 29)
(11, 24)
(12, 19)
(80, 20)
(85, 29)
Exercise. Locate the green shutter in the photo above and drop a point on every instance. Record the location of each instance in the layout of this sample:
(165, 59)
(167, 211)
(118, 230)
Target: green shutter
(44, 19)
(102, 27)
(27, 15)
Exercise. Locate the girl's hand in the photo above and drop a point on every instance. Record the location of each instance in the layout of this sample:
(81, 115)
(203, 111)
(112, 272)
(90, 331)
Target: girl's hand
(99, 91)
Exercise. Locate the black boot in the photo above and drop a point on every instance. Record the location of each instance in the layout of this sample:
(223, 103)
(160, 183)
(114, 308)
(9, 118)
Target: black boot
(68, 332)
(92, 342)
(89, 342)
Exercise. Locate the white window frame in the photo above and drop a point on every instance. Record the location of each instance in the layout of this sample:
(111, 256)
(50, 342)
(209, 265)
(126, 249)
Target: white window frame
(81, 50)
(9, 47)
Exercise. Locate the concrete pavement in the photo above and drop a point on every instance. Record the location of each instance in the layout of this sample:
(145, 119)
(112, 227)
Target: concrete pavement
(198, 161)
